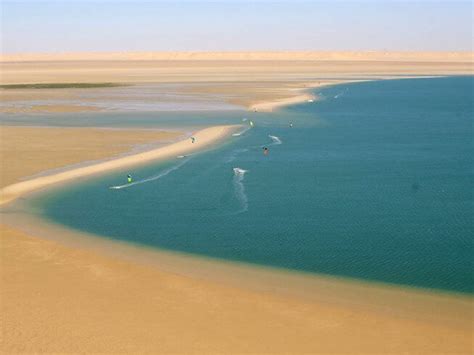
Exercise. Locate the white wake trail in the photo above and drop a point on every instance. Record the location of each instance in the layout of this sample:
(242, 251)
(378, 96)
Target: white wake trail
(237, 134)
(239, 188)
(275, 140)
(151, 178)
(340, 94)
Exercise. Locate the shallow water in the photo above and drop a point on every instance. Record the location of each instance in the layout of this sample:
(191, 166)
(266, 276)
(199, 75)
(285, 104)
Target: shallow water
(133, 98)
(372, 182)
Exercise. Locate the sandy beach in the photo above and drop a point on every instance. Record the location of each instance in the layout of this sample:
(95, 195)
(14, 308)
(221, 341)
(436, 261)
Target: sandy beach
(269, 106)
(59, 296)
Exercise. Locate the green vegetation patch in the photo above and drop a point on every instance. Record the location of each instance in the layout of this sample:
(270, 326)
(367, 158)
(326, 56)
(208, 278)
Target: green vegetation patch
(62, 86)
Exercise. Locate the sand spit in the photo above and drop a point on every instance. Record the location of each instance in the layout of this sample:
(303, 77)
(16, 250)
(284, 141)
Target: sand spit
(204, 138)
(269, 106)
(27, 151)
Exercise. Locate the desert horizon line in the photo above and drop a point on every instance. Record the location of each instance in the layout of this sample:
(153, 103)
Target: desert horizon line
(243, 55)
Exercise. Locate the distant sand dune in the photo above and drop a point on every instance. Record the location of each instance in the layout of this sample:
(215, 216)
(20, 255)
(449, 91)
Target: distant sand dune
(263, 55)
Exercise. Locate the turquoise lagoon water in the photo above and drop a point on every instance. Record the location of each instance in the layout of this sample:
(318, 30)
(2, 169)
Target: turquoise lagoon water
(373, 182)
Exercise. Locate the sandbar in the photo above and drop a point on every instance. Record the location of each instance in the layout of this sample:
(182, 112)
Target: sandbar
(26, 151)
(203, 138)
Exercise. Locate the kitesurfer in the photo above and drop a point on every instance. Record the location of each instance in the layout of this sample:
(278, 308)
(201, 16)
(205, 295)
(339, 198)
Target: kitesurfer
(129, 178)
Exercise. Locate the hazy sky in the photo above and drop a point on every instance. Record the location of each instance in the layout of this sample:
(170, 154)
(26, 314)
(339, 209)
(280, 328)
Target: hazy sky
(106, 25)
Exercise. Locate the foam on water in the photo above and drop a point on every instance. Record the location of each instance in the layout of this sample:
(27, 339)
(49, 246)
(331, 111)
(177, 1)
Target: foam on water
(151, 178)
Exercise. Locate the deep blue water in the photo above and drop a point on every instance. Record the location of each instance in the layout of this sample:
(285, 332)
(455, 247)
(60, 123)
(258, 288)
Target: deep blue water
(373, 182)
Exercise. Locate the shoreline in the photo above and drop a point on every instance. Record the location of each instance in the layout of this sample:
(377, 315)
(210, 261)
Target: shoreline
(304, 96)
(204, 138)
(231, 272)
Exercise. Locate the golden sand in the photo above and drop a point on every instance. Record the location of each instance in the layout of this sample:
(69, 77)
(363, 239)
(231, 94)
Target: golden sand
(214, 71)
